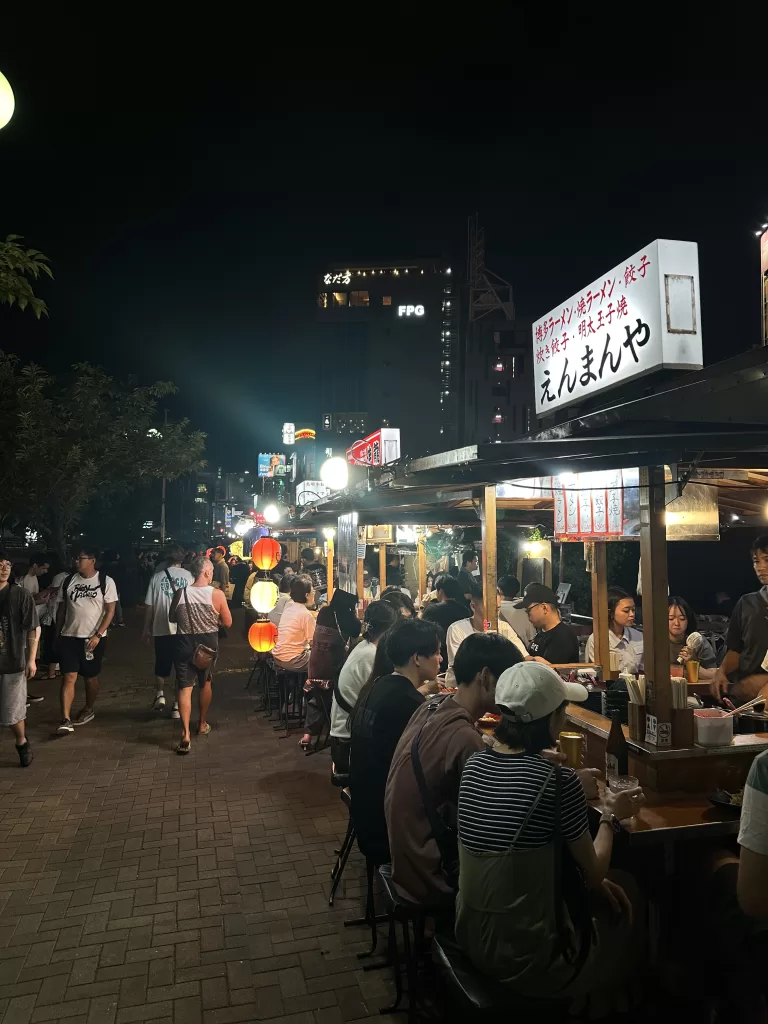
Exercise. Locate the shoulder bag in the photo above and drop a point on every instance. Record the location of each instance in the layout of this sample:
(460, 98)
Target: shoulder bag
(202, 657)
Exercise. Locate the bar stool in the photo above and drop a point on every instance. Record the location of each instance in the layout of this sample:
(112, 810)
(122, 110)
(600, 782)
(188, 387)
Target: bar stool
(290, 692)
(340, 780)
(262, 676)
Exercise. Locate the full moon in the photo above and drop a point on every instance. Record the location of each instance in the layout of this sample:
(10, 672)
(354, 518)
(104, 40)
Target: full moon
(7, 102)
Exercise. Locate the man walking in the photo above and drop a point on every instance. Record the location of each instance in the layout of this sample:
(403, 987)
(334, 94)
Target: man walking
(86, 605)
(19, 635)
(220, 569)
(157, 626)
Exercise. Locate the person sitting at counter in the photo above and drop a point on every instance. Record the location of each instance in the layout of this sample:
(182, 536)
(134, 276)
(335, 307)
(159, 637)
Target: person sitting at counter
(742, 670)
(522, 818)
(623, 639)
(474, 624)
(682, 623)
(555, 641)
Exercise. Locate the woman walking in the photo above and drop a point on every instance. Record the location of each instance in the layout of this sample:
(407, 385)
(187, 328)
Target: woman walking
(198, 611)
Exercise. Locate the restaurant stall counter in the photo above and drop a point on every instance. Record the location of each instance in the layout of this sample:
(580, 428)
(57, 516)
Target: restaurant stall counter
(694, 769)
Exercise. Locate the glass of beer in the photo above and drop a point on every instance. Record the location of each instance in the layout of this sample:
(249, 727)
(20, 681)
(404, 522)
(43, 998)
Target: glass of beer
(692, 670)
(571, 744)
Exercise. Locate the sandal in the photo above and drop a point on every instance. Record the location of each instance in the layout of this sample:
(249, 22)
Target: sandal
(184, 747)
(204, 730)
(306, 741)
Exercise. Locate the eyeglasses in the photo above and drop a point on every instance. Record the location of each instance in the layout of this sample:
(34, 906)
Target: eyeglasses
(85, 558)
(530, 607)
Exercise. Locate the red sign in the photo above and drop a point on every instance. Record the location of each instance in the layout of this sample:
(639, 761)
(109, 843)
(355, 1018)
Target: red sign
(378, 449)
(366, 452)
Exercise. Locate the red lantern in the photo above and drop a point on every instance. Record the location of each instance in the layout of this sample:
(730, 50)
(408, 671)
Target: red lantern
(266, 553)
(262, 636)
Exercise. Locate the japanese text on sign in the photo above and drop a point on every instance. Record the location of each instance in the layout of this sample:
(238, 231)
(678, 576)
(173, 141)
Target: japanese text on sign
(340, 277)
(639, 317)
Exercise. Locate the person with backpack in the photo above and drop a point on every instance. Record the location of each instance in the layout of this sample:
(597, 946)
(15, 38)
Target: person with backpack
(157, 626)
(85, 609)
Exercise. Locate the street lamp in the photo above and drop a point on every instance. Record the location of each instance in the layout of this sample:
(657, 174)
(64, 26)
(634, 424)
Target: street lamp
(271, 514)
(335, 474)
(7, 102)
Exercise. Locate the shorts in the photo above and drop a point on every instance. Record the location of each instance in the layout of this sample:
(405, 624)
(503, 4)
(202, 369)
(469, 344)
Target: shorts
(165, 655)
(186, 673)
(72, 656)
(13, 698)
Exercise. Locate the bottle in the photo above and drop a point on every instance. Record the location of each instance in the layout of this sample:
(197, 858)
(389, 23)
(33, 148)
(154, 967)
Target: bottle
(616, 750)
(88, 654)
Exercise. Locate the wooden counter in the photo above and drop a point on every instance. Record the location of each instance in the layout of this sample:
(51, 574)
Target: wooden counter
(690, 770)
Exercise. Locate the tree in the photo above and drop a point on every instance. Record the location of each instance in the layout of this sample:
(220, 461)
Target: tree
(88, 437)
(17, 265)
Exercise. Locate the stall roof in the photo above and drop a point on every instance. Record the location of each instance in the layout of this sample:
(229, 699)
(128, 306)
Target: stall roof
(714, 419)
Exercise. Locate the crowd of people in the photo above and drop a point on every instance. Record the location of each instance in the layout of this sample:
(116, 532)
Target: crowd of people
(474, 827)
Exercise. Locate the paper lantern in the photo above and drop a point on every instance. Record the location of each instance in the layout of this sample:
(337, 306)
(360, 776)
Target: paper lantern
(262, 636)
(7, 102)
(266, 553)
(263, 596)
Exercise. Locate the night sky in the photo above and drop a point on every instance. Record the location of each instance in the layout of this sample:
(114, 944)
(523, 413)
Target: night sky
(186, 210)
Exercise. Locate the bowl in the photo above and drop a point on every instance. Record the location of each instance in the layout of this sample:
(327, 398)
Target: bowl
(714, 728)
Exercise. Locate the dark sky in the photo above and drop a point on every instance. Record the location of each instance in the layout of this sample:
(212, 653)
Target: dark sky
(187, 209)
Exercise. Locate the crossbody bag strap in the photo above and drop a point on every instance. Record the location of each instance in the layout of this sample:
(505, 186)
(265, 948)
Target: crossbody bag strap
(584, 928)
(440, 830)
(532, 808)
(170, 580)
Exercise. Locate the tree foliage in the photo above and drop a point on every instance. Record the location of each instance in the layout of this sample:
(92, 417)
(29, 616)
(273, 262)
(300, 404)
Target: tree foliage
(17, 266)
(68, 442)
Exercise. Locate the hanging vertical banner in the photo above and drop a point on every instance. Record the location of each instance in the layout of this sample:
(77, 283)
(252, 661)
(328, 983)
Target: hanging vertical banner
(589, 506)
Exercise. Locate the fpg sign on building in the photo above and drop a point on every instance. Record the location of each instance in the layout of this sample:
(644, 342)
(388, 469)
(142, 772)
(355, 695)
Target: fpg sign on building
(643, 315)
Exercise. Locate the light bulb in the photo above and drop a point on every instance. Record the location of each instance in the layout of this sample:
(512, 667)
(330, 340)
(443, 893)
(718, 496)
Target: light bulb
(271, 514)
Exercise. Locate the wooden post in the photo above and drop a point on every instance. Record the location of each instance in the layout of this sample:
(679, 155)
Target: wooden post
(422, 551)
(329, 550)
(360, 569)
(600, 627)
(488, 518)
(653, 560)
(382, 567)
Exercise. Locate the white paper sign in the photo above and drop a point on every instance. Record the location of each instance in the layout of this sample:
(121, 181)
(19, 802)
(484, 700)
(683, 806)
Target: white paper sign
(643, 315)
(651, 729)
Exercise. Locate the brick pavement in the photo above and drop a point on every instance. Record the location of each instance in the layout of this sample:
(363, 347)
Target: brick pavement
(137, 885)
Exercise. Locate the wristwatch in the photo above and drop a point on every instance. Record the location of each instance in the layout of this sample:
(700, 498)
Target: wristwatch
(99, 635)
(609, 818)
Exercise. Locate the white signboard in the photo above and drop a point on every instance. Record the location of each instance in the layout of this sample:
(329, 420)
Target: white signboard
(289, 433)
(643, 315)
(311, 490)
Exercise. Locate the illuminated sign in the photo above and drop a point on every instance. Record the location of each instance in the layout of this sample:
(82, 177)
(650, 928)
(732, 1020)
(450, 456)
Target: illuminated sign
(764, 283)
(305, 434)
(410, 310)
(379, 448)
(271, 465)
(643, 315)
(289, 433)
(311, 490)
(340, 277)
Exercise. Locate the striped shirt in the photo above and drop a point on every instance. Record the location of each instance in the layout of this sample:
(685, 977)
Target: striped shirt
(497, 791)
(753, 832)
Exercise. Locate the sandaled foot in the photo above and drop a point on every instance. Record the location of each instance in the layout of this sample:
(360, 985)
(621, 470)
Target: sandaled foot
(306, 741)
(204, 729)
(184, 747)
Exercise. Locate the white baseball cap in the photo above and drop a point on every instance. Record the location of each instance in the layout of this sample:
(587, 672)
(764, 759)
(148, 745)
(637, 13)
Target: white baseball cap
(529, 691)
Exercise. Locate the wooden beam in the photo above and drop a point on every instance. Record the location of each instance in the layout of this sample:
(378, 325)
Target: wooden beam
(382, 567)
(329, 550)
(653, 562)
(600, 627)
(488, 518)
(422, 552)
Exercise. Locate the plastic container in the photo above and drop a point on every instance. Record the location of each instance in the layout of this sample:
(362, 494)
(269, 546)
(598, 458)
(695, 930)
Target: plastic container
(713, 728)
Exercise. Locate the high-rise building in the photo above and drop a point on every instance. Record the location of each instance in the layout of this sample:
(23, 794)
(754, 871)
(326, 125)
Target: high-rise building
(388, 334)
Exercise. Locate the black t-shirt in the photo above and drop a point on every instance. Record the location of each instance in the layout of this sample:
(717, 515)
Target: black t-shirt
(748, 632)
(377, 725)
(559, 646)
(18, 617)
(466, 581)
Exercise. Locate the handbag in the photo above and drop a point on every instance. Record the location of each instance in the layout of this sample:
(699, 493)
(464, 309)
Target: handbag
(202, 657)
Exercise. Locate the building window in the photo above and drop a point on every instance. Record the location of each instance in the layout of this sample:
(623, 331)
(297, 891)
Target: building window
(518, 366)
(322, 300)
(499, 392)
(498, 366)
(527, 419)
(498, 416)
(340, 298)
(386, 300)
(359, 299)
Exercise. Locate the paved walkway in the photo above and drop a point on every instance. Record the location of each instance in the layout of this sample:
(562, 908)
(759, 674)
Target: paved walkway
(137, 885)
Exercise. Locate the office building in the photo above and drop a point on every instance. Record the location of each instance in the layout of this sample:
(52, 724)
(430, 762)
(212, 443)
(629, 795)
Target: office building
(388, 333)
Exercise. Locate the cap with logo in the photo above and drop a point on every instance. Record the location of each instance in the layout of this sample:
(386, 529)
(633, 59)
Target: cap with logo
(537, 593)
(530, 691)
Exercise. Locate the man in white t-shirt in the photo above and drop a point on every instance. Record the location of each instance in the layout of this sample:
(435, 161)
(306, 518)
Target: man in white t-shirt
(157, 626)
(85, 608)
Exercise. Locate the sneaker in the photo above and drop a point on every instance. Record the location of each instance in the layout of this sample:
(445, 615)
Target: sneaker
(86, 715)
(159, 703)
(33, 699)
(65, 726)
(25, 754)
(175, 711)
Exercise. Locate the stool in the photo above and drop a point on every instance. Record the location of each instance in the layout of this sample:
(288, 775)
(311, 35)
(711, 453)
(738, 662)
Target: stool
(290, 690)
(349, 839)
(477, 996)
(263, 676)
(407, 913)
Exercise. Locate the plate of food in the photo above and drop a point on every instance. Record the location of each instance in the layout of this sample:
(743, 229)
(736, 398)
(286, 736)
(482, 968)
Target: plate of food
(489, 721)
(722, 798)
